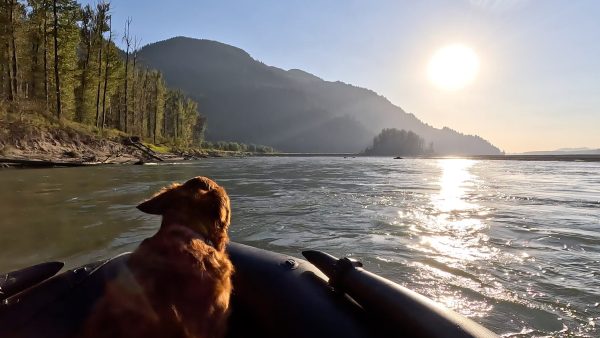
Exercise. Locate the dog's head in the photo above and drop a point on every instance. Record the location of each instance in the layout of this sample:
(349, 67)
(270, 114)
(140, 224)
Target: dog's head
(199, 204)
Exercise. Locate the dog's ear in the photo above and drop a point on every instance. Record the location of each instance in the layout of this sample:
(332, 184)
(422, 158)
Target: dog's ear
(161, 202)
(220, 216)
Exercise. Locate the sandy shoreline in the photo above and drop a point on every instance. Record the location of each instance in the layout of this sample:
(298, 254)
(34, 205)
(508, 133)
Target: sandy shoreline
(28, 146)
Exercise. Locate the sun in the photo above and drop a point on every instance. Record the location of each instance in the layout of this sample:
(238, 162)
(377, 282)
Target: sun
(453, 67)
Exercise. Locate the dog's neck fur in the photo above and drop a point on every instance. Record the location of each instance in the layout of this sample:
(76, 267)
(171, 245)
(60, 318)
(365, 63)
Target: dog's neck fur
(174, 222)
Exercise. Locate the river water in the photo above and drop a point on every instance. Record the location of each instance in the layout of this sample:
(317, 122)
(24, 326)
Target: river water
(513, 245)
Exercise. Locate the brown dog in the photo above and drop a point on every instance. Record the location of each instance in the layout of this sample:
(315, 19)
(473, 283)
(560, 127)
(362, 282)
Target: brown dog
(180, 279)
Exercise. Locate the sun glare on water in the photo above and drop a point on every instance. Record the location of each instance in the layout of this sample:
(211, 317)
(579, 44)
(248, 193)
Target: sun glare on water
(453, 67)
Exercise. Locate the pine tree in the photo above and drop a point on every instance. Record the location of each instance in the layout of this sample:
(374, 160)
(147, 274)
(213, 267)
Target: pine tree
(56, 65)
(101, 26)
(83, 97)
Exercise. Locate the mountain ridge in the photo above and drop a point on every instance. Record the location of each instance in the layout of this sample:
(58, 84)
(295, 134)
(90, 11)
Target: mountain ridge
(292, 110)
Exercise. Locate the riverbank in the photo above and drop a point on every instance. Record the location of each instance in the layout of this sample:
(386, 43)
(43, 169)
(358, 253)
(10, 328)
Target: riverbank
(39, 141)
(61, 141)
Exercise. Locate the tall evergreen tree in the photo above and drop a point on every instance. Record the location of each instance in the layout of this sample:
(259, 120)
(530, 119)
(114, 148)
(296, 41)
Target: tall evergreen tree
(101, 26)
(56, 65)
(86, 44)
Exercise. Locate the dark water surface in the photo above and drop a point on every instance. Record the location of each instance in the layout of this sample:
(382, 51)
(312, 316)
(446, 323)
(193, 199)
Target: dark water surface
(513, 245)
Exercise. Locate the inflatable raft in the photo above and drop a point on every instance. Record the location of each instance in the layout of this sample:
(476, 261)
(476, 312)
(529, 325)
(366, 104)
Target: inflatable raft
(274, 296)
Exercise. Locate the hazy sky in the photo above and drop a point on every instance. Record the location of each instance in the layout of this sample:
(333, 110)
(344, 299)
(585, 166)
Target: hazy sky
(538, 86)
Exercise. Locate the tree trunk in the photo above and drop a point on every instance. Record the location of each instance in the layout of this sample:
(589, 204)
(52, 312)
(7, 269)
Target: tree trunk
(46, 86)
(155, 109)
(143, 103)
(175, 113)
(106, 71)
(133, 97)
(3, 79)
(9, 73)
(128, 42)
(15, 73)
(126, 77)
(84, 74)
(100, 26)
(56, 73)
(165, 132)
(34, 67)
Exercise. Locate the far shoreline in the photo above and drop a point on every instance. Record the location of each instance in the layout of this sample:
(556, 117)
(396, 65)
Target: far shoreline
(33, 162)
(556, 158)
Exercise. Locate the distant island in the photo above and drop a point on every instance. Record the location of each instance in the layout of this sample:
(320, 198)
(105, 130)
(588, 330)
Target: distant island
(394, 142)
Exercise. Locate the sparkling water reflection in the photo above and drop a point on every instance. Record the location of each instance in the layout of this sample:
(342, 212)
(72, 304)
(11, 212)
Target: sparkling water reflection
(455, 232)
(454, 237)
(454, 184)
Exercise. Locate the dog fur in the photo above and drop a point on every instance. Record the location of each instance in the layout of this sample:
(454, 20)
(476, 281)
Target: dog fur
(180, 279)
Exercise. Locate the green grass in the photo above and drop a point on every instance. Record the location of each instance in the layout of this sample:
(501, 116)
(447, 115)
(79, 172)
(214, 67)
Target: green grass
(30, 118)
(161, 149)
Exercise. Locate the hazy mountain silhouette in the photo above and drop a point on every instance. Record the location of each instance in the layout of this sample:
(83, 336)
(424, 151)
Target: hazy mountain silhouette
(245, 100)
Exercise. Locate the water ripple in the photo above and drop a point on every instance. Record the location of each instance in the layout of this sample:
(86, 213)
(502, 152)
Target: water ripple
(513, 245)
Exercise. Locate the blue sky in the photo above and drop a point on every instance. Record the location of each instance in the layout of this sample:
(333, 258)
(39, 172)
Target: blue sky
(539, 82)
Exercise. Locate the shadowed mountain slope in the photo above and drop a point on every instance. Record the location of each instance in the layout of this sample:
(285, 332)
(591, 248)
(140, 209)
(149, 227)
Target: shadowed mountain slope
(245, 100)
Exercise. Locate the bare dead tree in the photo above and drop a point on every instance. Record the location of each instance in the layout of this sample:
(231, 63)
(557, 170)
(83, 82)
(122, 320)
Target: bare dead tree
(106, 72)
(156, 104)
(143, 102)
(127, 39)
(134, 82)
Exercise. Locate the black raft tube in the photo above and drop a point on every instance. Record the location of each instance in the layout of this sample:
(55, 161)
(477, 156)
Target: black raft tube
(400, 310)
(14, 282)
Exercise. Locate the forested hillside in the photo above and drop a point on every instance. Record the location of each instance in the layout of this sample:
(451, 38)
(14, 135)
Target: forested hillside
(245, 100)
(59, 59)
